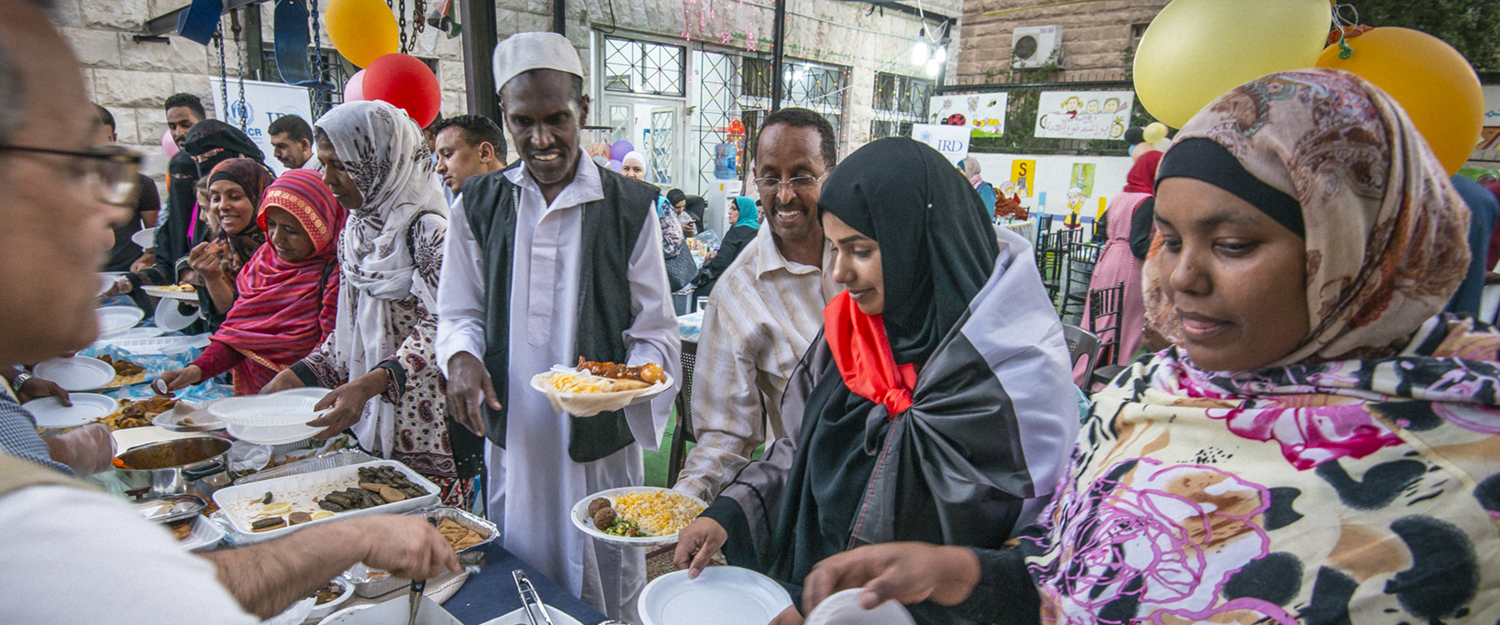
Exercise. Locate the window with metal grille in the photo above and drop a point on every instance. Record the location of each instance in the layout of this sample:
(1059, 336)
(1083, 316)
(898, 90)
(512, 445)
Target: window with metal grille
(899, 102)
(643, 67)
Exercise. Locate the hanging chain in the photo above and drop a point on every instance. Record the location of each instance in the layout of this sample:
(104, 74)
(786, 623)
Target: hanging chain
(317, 61)
(419, 19)
(239, 46)
(223, 72)
(401, 15)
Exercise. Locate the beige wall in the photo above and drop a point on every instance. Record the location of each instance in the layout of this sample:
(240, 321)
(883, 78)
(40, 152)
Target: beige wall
(1095, 32)
(133, 79)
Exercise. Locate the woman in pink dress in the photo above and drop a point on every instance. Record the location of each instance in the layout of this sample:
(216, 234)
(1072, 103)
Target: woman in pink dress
(1117, 264)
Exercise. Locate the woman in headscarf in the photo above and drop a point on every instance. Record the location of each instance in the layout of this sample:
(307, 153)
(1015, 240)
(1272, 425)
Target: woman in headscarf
(1118, 264)
(235, 188)
(207, 144)
(678, 201)
(970, 167)
(1319, 445)
(379, 359)
(681, 268)
(940, 410)
(744, 222)
(288, 292)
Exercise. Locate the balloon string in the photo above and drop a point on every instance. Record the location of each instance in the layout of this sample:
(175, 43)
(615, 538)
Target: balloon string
(1343, 25)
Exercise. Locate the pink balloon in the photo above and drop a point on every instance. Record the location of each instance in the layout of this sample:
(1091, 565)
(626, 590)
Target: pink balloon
(167, 144)
(354, 90)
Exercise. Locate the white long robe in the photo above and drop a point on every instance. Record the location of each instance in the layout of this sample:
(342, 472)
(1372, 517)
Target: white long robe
(541, 483)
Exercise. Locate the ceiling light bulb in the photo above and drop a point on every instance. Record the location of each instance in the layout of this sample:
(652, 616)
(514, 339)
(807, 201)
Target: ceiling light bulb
(940, 55)
(919, 53)
(932, 67)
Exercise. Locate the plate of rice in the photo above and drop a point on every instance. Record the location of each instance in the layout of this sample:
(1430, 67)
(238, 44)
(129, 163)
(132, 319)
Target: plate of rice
(636, 516)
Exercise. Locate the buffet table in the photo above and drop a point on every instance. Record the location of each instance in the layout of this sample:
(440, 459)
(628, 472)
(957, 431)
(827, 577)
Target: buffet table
(491, 592)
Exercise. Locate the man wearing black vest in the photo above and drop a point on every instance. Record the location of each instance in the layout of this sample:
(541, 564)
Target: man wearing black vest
(546, 261)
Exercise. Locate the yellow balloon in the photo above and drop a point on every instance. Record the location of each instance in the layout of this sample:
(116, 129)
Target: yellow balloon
(1432, 81)
(362, 30)
(1196, 50)
(1154, 132)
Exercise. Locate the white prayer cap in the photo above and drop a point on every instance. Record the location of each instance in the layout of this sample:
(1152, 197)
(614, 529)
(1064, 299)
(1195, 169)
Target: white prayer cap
(523, 52)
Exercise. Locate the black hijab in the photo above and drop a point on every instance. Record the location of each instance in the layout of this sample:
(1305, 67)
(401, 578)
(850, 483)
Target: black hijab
(937, 245)
(212, 134)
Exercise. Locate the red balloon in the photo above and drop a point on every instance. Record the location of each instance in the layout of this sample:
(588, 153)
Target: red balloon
(405, 83)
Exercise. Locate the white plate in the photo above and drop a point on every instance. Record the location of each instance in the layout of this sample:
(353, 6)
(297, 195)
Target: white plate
(392, 611)
(321, 611)
(86, 408)
(842, 608)
(722, 595)
(204, 536)
(142, 332)
(276, 409)
(164, 293)
(581, 520)
(79, 373)
(116, 318)
(519, 618)
(166, 315)
(145, 238)
(273, 435)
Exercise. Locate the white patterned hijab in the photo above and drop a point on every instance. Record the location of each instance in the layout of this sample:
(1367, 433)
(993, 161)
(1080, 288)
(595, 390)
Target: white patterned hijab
(385, 154)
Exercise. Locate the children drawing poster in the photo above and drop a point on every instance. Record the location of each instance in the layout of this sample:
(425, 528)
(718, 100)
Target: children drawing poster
(1084, 114)
(1080, 191)
(982, 113)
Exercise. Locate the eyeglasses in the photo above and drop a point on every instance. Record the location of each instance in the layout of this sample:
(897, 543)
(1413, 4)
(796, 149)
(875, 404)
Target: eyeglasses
(772, 186)
(110, 169)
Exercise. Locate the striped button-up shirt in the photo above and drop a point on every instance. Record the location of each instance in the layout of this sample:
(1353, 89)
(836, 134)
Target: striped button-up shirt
(762, 316)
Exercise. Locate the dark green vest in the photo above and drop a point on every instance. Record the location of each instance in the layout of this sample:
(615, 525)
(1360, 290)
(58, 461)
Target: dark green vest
(610, 229)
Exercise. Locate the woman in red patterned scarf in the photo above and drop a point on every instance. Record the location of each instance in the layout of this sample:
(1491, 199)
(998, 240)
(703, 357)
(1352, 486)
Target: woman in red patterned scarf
(288, 291)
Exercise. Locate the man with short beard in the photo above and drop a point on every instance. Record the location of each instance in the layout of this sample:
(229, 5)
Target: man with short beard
(72, 553)
(766, 308)
(551, 261)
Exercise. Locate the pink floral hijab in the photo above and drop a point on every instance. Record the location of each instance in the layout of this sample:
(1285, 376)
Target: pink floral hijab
(1350, 155)
(1358, 480)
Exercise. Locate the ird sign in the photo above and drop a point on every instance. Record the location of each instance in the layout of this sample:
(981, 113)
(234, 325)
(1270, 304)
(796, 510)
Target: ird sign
(951, 141)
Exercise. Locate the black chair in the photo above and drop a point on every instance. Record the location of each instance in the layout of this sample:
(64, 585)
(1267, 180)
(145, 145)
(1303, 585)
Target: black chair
(1051, 250)
(1082, 258)
(1104, 321)
(683, 434)
(1081, 344)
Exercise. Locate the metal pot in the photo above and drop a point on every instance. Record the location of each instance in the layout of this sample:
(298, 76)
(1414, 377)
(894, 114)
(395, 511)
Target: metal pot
(186, 466)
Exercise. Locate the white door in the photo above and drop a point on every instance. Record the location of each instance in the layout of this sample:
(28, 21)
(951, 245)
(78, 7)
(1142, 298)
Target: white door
(652, 126)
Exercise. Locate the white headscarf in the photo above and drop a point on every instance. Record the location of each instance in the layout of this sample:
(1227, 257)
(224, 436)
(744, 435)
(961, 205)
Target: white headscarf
(384, 152)
(634, 156)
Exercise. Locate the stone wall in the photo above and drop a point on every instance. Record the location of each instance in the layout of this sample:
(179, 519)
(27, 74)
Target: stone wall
(133, 78)
(1095, 35)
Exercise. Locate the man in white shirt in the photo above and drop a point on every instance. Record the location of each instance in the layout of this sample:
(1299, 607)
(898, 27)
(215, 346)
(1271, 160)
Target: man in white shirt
(547, 262)
(72, 554)
(766, 308)
(291, 142)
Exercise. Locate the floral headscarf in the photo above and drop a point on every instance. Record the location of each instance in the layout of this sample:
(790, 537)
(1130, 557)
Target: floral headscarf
(1349, 154)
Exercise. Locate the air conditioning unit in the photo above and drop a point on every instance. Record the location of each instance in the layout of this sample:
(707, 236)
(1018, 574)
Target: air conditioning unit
(1034, 46)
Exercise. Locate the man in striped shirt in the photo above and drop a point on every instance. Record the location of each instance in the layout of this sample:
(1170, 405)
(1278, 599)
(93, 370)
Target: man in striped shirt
(767, 307)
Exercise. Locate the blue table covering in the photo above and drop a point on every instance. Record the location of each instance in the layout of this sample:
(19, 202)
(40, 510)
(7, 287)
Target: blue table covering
(491, 592)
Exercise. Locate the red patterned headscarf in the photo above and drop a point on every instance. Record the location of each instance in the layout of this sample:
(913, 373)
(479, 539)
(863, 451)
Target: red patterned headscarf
(1387, 235)
(286, 308)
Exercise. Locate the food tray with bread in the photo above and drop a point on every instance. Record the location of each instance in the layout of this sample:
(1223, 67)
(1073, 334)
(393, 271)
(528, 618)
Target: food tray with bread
(465, 531)
(639, 516)
(271, 508)
(183, 292)
(594, 387)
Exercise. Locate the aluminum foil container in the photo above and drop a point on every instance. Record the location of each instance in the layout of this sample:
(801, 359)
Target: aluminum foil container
(436, 514)
(341, 458)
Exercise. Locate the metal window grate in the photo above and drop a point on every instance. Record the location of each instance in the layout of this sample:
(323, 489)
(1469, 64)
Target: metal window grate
(899, 102)
(643, 67)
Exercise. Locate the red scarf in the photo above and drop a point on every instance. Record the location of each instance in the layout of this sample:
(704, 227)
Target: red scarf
(863, 354)
(280, 314)
(1142, 176)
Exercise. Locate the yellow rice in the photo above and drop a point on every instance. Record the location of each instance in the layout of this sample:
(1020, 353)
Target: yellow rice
(659, 512)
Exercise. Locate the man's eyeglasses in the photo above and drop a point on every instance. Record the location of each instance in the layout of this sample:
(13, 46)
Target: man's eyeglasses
(110, 169)
(771, 186)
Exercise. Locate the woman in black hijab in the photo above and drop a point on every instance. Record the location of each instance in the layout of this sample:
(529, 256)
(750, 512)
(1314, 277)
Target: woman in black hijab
(939, 406)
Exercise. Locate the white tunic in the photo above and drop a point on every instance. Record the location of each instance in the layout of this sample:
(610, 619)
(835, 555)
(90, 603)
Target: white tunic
(541, 482)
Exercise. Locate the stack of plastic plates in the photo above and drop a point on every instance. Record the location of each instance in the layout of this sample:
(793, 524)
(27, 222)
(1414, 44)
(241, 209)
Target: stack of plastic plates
(79, 373)
(275, 419)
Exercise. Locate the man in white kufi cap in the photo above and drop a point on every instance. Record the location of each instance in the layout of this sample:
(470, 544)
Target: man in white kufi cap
(548, 261)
